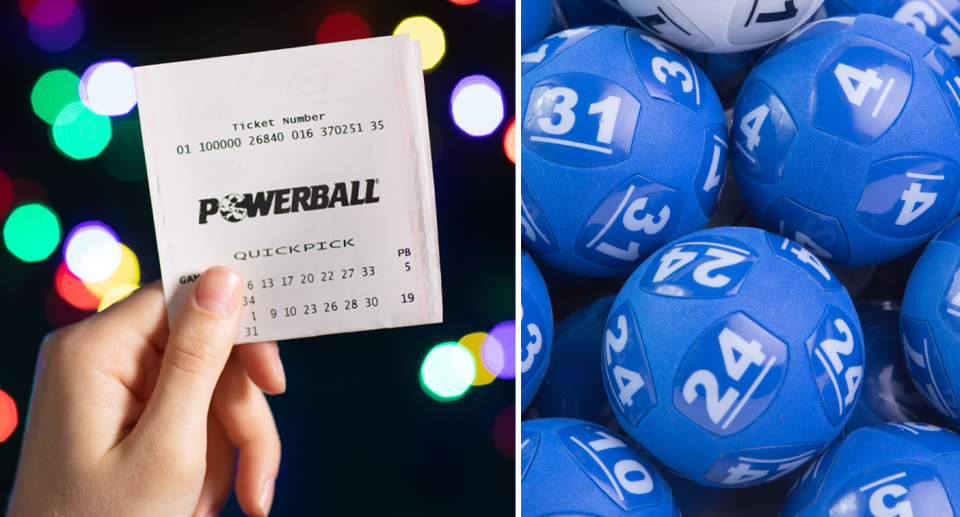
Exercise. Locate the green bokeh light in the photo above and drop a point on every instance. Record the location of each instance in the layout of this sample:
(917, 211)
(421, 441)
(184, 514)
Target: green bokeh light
(447, 371)
(54, 91)
(32, 232)
(81, 133)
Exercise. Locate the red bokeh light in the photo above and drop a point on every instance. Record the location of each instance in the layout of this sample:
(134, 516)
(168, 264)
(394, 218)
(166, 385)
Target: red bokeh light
(6, 194)
(25, 189)
(464, 2)
(504, 431)
(72, 290)
(26, 6)
(342, 27)
(510, 141)
(8, 416)
(48, 13)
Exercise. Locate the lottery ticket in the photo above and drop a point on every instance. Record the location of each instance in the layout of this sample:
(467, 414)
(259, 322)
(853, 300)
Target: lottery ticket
(307, 171)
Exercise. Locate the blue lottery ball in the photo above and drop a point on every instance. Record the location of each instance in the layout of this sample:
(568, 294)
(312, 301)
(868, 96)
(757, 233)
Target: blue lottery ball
(732, 356)
(570, 467)
(845, 138)
(573, 385)
(888, 470)
(535, 19)
(888, 393)
(937, 19)
(536, 329)
(930, 324)
(624, 146)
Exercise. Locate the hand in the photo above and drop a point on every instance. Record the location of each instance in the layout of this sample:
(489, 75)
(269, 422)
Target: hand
(130, 418)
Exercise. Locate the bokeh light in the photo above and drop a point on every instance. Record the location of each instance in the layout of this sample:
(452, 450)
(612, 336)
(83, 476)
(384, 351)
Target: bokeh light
(510, 141)
(464, 2)
(126, 274)
(81, 133)
(58, 37)
(499, 350)
(342, 27)
(26, 6)
(477, 105)
(48, 13)
(6, 194)
(447, 371)
(115, 295)
(8, 416)
(73, 291)
(504, 431)
(92, 251)
(474, 344)
(430, 36)
(123, 157)
(32, 232)
(107, 88)
(54, 91)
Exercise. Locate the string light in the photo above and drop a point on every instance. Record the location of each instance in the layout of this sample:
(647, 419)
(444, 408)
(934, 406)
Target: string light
(499, 350)
(8, 416)
(73, 291)
(477, 105)
(92, 251)
(107, 88)
(81, 133)
(430, 36)
(343, 26)
(510, 141)
(32, 232)
(54, 91)
(447, 372)
(474, 344)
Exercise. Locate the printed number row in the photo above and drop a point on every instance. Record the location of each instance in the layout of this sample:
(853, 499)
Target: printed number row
(309, 278)
(266, 138)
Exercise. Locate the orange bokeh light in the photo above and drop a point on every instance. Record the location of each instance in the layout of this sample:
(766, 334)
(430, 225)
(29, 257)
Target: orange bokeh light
(510, 141)
(8, 416)
(72, 290)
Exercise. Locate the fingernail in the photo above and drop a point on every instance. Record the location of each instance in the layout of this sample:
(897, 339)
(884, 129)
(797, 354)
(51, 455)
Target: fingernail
(282, 375)
(266, 496)
(218, 290)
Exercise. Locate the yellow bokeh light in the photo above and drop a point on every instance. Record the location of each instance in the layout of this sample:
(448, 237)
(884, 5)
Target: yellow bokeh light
(127, 273)
(115, 295)
(474, 343)
(430, 36)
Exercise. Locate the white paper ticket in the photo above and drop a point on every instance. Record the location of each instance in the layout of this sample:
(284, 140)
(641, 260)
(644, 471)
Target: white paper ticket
(307, 171)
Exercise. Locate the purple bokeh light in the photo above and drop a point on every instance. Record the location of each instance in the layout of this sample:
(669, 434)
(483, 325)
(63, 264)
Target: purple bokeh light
(499, 350)
(55, 38)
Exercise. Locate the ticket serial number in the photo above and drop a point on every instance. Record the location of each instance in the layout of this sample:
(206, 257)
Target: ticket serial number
(280, 136)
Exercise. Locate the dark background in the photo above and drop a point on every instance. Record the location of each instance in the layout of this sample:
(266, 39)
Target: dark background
(359, 435)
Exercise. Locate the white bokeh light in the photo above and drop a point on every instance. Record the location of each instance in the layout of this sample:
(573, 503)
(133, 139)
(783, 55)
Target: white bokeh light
(92, 252)
(477, 105)
(107, 88)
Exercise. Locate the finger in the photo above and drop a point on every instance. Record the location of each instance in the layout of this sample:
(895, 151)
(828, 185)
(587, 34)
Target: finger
(248, 422)
(200, 340)
(263, 365)
(218, 480)
(121, 341)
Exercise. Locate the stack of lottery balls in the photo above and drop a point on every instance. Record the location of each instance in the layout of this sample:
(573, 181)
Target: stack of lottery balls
(741, 271)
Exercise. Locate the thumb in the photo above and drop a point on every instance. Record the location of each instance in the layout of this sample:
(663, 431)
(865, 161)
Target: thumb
(200, 340)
